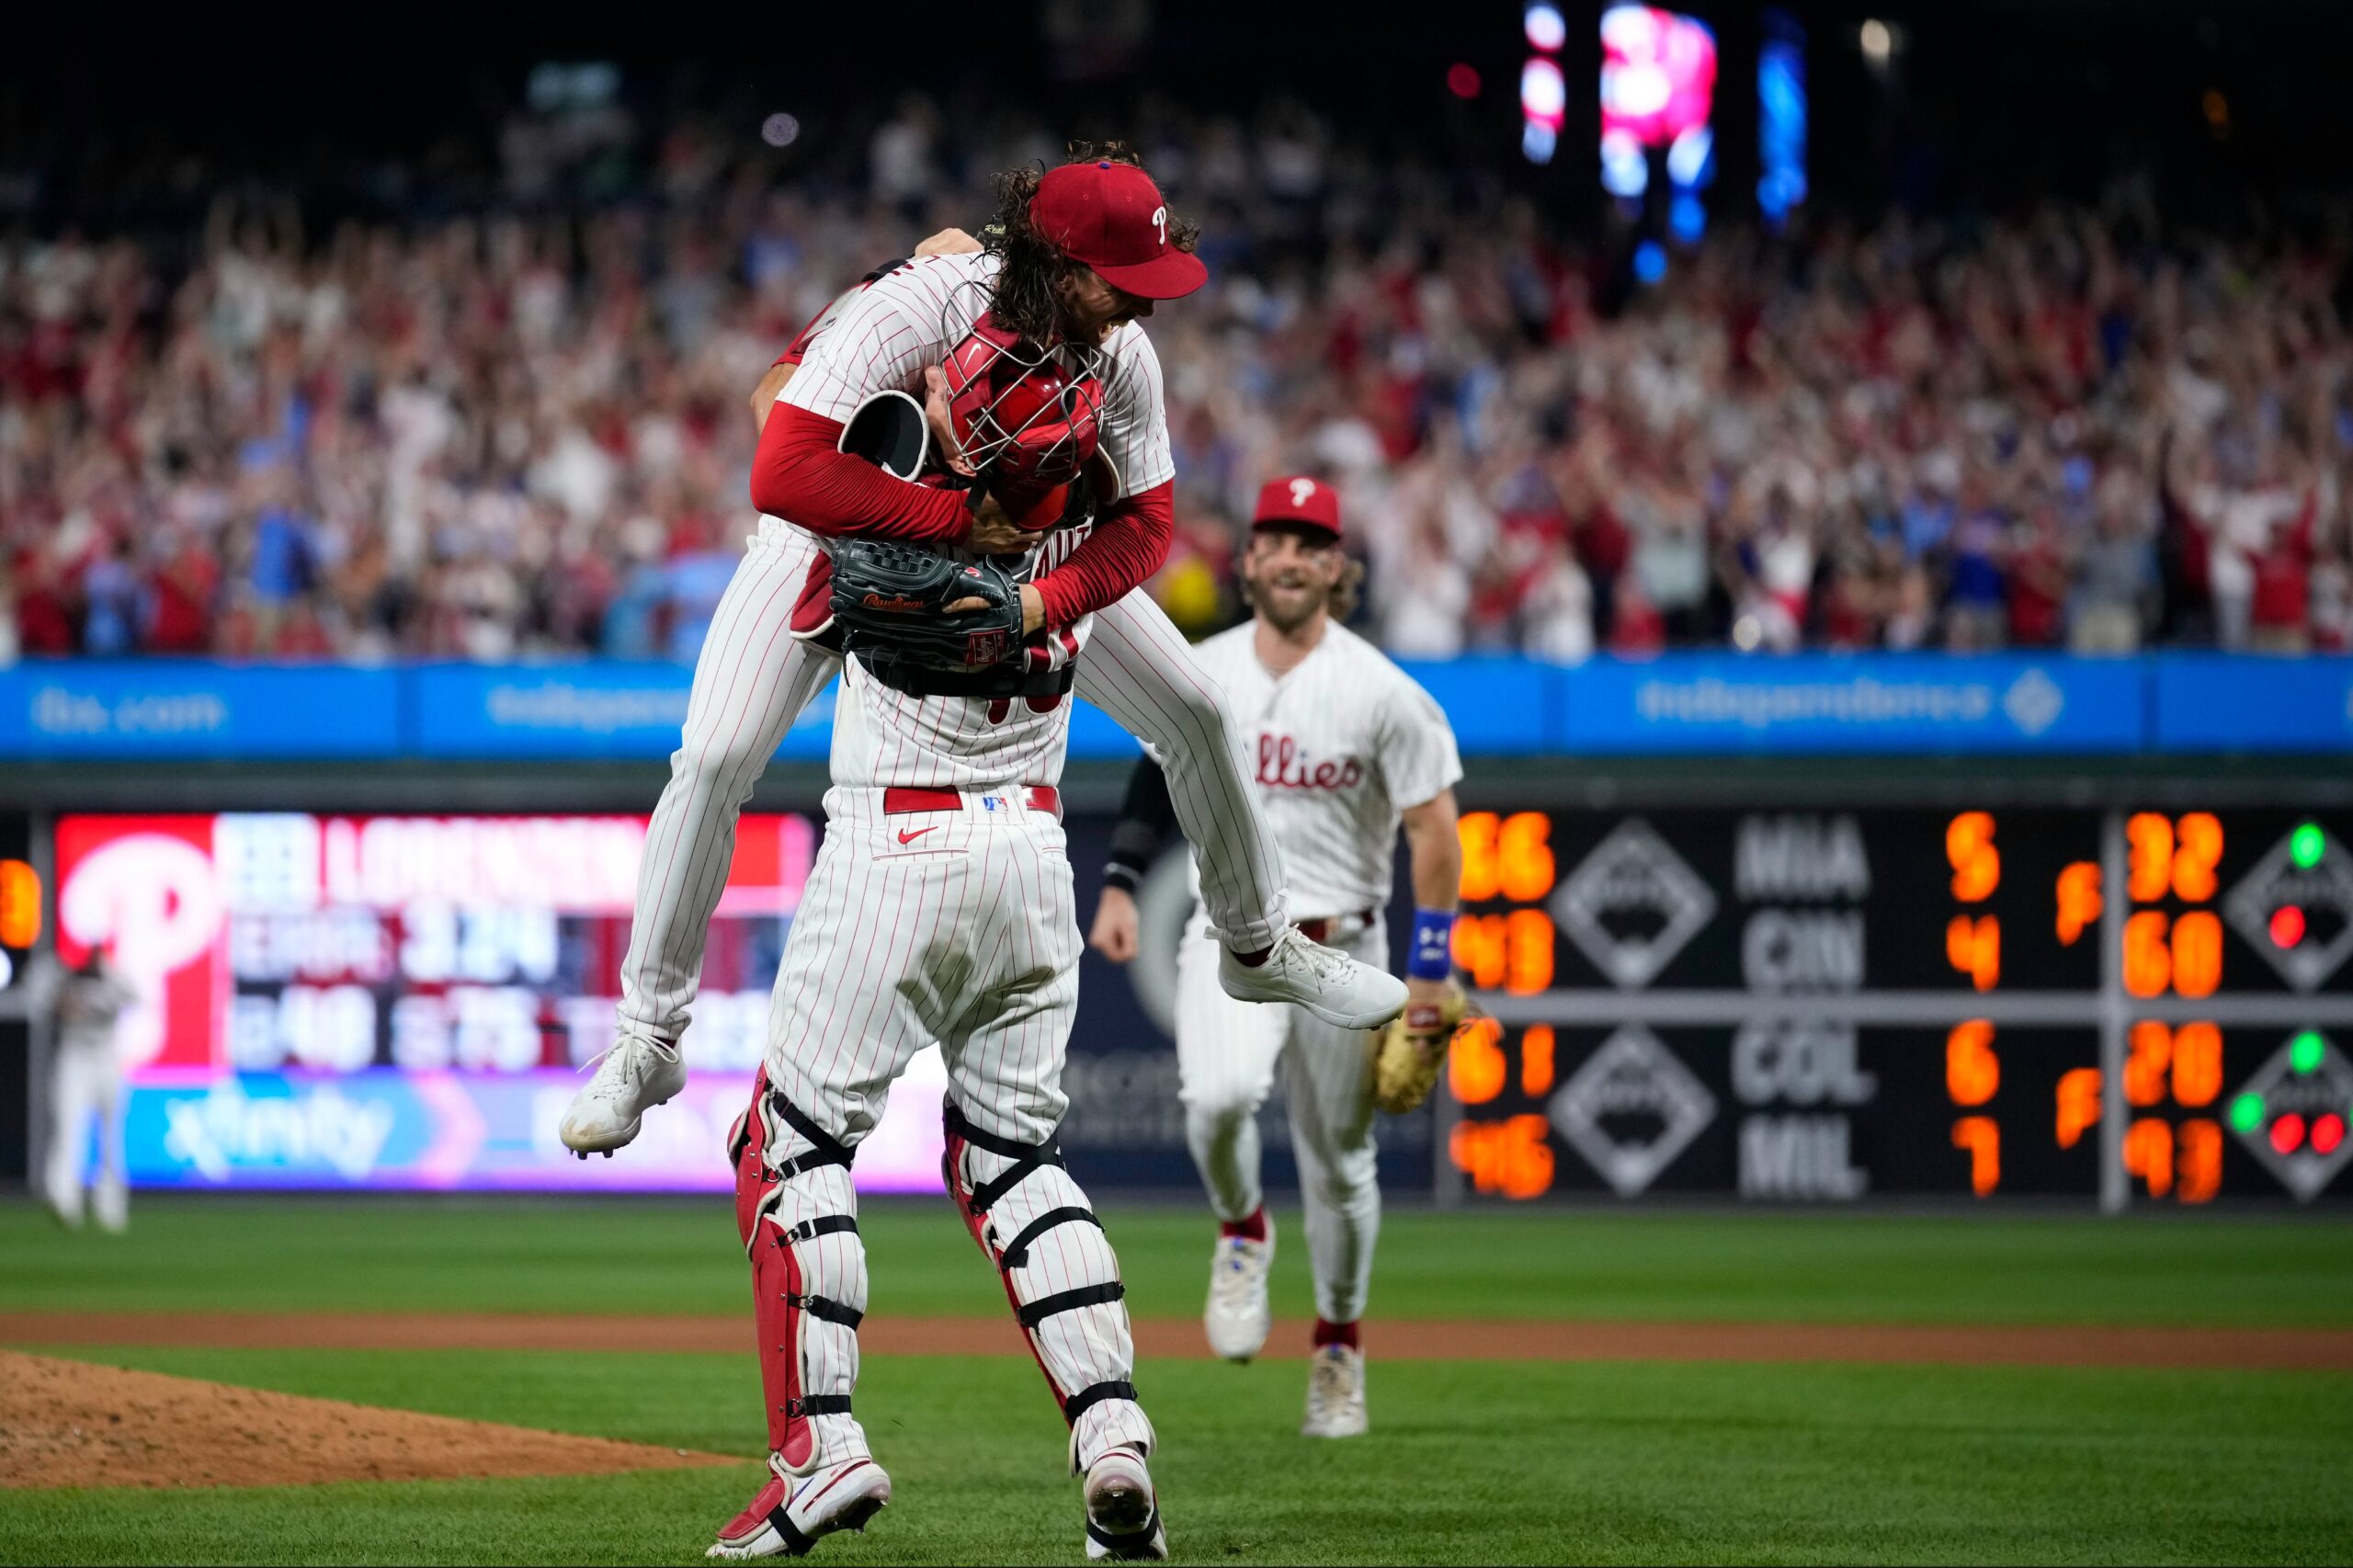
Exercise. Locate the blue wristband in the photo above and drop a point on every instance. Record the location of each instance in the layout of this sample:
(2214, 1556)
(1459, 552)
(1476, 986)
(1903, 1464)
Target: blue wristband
(1431, 956)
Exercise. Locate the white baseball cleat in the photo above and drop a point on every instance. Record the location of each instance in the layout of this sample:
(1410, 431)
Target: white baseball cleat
(1237, 1316)
(788, 1515)
(1122, 1510)
(1327, 982)
(634, 1075)
(1335, 1394)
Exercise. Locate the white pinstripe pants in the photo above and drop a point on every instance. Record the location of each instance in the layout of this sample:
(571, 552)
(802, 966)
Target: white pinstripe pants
(967, 935)
(753, 677)
(1226, 1055)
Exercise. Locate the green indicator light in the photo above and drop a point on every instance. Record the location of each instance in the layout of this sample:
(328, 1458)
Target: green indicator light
(2303, 1052)
(2306, 845)
(2246, 1112)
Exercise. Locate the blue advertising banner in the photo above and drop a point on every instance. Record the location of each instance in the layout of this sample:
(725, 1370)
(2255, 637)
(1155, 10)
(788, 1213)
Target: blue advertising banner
(1499, 706)
(603, 709)
(619, 711)
(1678, 703)
(1827, 702)
(2224, 702)
(191, 708)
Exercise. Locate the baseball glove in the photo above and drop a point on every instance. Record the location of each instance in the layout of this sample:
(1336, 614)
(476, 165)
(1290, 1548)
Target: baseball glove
(1409, 1053)
(892, 601)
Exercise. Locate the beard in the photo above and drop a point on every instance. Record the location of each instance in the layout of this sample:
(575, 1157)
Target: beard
(1287, 604)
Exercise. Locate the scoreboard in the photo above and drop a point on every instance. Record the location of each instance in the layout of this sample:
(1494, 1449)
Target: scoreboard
(20, 898)
(2135, 1005)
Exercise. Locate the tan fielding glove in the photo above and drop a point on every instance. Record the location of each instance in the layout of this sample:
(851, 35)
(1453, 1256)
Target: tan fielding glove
(1409, 1052)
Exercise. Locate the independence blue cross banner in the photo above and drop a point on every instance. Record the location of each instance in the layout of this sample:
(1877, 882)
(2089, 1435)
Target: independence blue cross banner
(615, 709)
(1829, 702)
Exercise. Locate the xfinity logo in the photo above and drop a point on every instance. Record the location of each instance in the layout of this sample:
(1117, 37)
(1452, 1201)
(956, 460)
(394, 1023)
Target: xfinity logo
(1630, 1109)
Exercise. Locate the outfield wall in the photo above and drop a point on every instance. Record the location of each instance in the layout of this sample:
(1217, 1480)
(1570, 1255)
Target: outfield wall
(1712, 906)
(1697, 704)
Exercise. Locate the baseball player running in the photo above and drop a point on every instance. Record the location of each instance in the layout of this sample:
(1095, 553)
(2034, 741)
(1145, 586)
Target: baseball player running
(85, 1084)
(1077, 256)
(941, 909)
(1346, 749)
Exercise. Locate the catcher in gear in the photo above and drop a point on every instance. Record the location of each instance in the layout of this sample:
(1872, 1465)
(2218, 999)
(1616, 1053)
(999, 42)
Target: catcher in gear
(1018, 432)
(1349, 750)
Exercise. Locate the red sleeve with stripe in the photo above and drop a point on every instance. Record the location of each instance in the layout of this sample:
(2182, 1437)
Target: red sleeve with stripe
(1130, 541)
(799, 475)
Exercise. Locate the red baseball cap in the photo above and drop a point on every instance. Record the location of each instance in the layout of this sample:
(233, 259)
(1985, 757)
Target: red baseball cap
(1112, 217)
(1296, 498)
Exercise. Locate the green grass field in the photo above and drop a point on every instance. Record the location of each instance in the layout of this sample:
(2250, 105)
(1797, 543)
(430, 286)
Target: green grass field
(1467, 1463)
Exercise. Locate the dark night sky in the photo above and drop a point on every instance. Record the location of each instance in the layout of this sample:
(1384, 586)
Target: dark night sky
(1989, 100)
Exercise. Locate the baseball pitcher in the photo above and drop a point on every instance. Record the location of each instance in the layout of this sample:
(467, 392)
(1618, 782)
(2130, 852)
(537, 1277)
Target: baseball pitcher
(1075, 258)
(1346, 749)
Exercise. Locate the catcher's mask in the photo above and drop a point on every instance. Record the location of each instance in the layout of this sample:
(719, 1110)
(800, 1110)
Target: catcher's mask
(1028, 419)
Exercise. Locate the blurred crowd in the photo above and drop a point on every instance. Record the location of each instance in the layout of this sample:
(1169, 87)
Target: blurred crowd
(524, 429)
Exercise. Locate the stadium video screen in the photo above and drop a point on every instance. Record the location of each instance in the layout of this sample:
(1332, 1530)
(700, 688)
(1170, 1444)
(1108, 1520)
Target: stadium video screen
(407, 1001)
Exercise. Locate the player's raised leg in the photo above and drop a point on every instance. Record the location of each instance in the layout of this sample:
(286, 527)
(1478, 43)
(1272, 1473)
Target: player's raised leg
(1226, 1053)
(752, 680)
(1141, 672)
(1327, 1083)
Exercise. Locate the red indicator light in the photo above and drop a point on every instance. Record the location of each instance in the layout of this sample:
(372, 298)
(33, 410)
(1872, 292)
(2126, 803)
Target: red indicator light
(2287, 1133)
(2287, 925)
(2328, 1131)
(1463, 80)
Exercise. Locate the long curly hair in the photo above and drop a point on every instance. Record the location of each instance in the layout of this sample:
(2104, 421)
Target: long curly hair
(1027, 299)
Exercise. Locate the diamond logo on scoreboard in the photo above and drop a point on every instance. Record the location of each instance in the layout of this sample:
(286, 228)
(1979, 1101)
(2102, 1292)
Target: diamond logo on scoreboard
(2292, 1115)
(2296, 907)
(1633, 904)
(2034, 702)
(1630, 1109)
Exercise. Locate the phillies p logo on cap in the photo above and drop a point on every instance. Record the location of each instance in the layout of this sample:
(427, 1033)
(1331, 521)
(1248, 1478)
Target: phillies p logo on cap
(1296, 498)
(1112, 217)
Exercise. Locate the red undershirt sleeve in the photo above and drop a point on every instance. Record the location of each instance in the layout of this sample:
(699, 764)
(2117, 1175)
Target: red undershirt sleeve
(1128, 544)
(800, 475)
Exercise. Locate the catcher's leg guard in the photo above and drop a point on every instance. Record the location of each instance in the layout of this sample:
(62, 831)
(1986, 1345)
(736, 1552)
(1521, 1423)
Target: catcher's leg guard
(1034, 1223)
(796, 1213)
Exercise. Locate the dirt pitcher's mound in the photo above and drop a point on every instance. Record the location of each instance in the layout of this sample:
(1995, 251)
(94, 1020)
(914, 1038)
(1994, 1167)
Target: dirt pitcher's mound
(72, 1423)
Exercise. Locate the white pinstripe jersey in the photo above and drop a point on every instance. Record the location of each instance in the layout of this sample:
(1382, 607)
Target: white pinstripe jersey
(884, 337)
(1338, 746)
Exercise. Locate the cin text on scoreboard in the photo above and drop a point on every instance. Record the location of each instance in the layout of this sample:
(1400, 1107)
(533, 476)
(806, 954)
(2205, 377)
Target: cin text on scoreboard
(2135, 1005)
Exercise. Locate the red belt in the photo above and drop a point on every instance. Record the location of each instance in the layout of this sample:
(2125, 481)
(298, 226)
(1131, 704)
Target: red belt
(1321, 930)
(898, 800)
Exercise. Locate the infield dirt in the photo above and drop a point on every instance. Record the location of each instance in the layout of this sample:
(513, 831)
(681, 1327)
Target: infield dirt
(2288, 1349)
(72, 1423)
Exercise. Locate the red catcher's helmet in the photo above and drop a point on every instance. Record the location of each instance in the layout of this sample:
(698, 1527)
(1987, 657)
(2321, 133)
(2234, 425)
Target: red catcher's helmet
(1027, 423)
